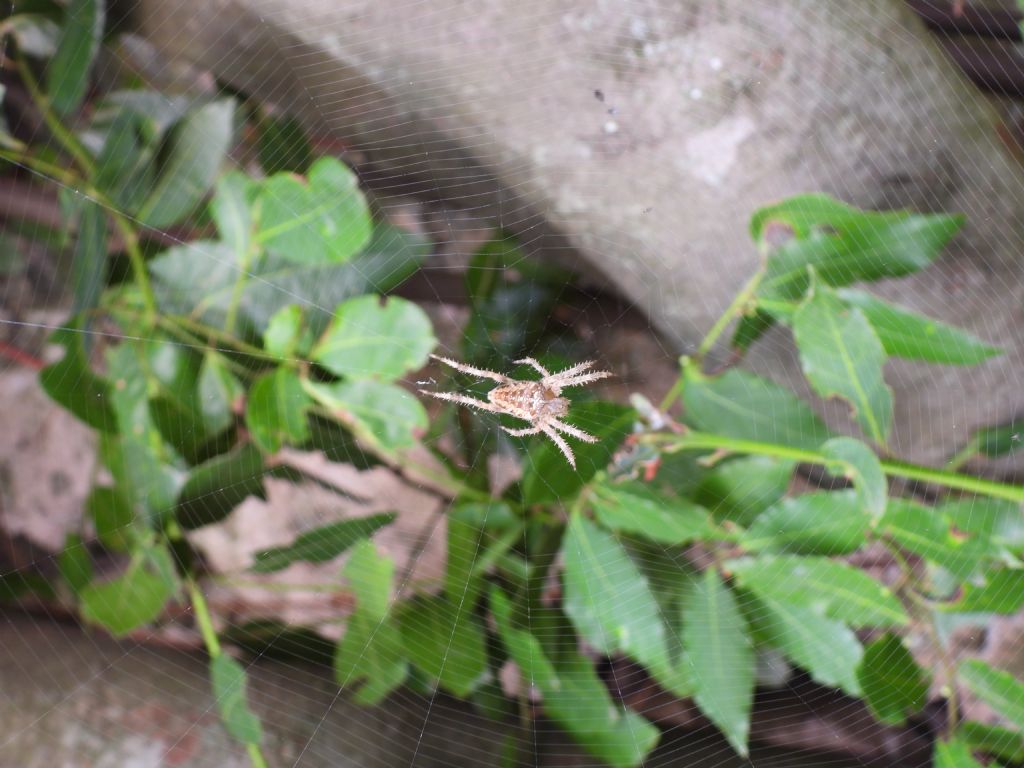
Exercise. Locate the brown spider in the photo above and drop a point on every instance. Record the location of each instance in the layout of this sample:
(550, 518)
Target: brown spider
(538, 402)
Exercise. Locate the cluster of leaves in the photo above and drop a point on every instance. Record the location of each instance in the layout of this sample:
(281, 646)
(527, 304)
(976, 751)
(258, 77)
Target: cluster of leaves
(268, 331)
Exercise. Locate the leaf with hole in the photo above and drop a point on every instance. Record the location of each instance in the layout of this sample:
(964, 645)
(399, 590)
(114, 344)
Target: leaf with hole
(323, 218)
(894, 685)
(926, 532)
(841, 356)
(1002, 592)
(371, 338)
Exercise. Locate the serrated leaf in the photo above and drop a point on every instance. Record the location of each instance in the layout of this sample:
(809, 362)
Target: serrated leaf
(635, 508)
(72, 384)
(858, 463)
(390, 258)
(74, 563)
(321, 544)
(548, 478)
(445, 642)
(845, 245)
(276, 410)
(926, 532)
(192, 158)
(228, 679)
(740, 489)
(67, 76)
(1002, 592)
(220, 484)
(837, 589)
(954, 754)
(742, 405)
(915, 337)
(721, 658)
(371, 338)
(128, 601)
(112, 517)
(322, 219)
(371, 651)
(894, 685)
(841, 356)
(574, 696)
(810, 524)
(999, 689)
(826, 648)
(383, 416)
(219, 392)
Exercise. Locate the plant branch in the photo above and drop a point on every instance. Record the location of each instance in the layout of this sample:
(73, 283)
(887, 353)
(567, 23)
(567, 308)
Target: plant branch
(66, 138)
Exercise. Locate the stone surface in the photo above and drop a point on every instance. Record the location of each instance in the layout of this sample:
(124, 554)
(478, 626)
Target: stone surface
(642, 134)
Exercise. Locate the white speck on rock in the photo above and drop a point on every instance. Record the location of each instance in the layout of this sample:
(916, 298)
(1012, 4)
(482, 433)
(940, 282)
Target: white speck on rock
(711, 154)
(696, 93)
(715, 63)
(611, 127)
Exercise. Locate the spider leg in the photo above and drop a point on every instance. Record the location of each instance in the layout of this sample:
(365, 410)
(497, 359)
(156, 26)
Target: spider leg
(533, 363)
(579, 434)
(559, 441)
(569, 373)
(522, 432)
(585, 378)
(463, 400)
(482, 373)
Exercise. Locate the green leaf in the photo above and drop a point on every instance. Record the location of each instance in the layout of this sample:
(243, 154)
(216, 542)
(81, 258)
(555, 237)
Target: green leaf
(999, 689)
(283, 146)
(112, 517)
(74, 563)
(219, 392)
(916, 337)
(220, 484)
(286, 336)
(191, 161)
(390, 258)
(858, 463)
(67, 76)
(134, 598)
(721, 658)
(1003, 592)
(230, 209)
(839, 590)
(841, 356)
(228, 679)
(72, 384)
(124, 165)
(954, 754)
(996, 521)
(999, 440)
(926, 532)
(574, 696)
(321, 544)
(993, 740)
(374, 339)
(474, 545)
(634, 508)
(383, 416)
(826, 648)
(371, 651)
(740, 489)
(548, 478)
(894, 685)
(276, 410)
(742, 405)
(810, 524)
(89, 259)
(845, 245)
(445, 642)
(323, 220)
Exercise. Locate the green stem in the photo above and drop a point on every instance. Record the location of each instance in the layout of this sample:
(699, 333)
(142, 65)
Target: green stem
(237, 289)
(66, 138)
(203, 618)
(693, 441)
(739, 303)
(50, 170)
(256, 756)
(138, 262)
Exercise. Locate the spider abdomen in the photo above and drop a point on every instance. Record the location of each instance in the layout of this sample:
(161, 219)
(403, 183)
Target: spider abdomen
(529, 400)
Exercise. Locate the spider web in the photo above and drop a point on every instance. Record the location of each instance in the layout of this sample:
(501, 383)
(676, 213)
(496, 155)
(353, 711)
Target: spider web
(76, 697)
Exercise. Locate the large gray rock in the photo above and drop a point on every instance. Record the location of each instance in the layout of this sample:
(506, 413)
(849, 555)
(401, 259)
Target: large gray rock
(643, 133)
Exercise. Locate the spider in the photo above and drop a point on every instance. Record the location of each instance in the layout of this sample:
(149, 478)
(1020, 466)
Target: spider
(538, 402)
